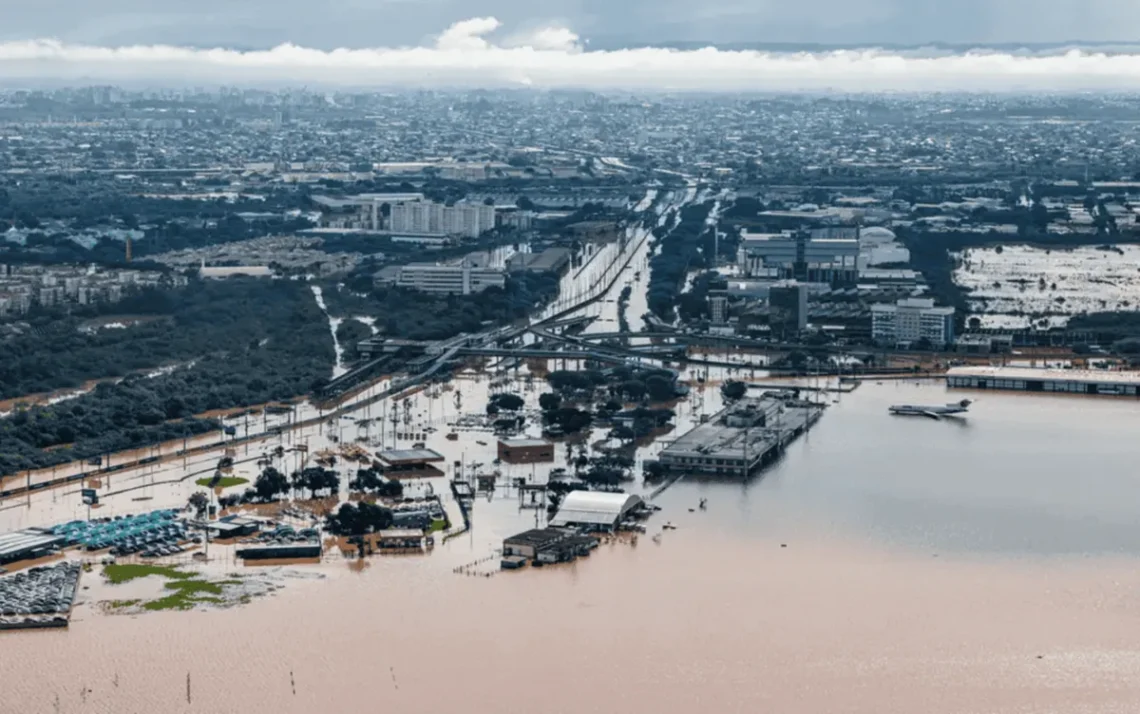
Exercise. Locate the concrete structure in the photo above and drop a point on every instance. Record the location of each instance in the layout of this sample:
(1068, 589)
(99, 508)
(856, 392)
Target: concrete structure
(525, 451)
(800, 256)
(718, 309)
(528, 544)
(461, 279)
(788, 305)
(742, 437)
(1064, 381)
(595, 510)
(910, 320)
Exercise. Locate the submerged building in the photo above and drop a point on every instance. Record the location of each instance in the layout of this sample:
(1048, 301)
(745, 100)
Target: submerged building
(742, 437)
(595, 510)
(1063, 381)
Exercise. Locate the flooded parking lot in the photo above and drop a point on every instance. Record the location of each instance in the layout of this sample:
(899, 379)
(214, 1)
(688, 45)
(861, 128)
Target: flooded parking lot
(1019, 286)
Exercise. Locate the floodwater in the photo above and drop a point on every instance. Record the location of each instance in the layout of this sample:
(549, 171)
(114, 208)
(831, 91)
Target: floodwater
(1016, 286)
(885, 564)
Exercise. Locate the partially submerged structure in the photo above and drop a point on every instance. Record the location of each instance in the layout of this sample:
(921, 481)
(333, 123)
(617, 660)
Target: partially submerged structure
(596, 510)
(742, 437)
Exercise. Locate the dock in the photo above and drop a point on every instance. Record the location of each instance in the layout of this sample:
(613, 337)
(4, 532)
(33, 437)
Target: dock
(743, 437)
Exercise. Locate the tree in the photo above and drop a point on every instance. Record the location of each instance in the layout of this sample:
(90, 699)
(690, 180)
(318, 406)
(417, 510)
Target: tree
(660, 388)
(633, 389)
(733, 390)
(508, 402)
(358, 519)
(199, 501)
(549, 401)
(270, 484)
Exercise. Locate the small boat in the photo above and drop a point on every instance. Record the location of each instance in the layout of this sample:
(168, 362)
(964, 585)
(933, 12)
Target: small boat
(669, 527)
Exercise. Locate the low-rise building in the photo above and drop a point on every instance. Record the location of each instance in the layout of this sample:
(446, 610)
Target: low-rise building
(461, 279)
(526, 451)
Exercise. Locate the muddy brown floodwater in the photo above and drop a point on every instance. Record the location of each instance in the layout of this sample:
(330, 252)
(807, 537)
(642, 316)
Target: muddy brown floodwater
(698, 622)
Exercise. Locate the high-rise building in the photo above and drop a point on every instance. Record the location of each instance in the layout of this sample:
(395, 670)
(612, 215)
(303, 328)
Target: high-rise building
(469, 220)
(718, 309)
(788, 310)
(912, 320)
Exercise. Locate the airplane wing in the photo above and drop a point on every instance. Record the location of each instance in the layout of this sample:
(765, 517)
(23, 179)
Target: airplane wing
(932, 415)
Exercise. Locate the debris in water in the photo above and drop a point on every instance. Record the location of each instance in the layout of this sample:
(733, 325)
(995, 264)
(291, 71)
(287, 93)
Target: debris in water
(395, 684)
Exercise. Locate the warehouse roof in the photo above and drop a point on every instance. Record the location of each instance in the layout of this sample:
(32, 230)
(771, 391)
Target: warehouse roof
(594, 507)
(1085, 376)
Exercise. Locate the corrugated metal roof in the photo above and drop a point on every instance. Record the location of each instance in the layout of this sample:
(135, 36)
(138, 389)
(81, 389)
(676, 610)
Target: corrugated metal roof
(594, 507)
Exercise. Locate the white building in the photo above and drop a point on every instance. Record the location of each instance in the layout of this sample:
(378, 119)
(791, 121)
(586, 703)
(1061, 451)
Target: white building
(469, 220)
(799, 256)
(462, 279)
(911, 320)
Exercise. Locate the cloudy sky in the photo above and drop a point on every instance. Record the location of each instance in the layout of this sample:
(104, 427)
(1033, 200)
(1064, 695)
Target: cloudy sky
(602, 44)
(328, 24)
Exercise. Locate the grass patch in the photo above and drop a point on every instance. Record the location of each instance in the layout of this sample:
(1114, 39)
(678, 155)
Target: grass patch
(127, 572)
(437, 526)
(224, 482)
(186, 589)
(121, 604)
(187, 594)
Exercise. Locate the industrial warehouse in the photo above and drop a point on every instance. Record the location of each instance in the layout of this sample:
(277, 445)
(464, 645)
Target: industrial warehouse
(742, 437)
(1065, 381)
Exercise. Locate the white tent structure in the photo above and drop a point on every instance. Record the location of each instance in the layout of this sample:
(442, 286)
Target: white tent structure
(594, 509)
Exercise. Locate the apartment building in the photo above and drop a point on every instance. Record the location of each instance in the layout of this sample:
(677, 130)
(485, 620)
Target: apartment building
(911, 320)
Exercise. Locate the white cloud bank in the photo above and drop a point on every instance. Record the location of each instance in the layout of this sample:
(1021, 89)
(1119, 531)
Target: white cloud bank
(466, 55)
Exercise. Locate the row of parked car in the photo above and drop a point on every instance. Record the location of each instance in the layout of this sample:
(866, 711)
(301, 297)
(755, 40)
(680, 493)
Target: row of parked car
(149, 535)
(44, 590)
(284, 535)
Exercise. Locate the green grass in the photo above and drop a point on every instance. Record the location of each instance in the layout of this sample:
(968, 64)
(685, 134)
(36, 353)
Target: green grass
(224, 482)
(121, 604)
(123, 573)
(187, 594)
(187, 589)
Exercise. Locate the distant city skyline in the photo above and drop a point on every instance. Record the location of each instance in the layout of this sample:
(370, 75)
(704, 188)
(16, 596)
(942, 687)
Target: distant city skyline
(375, 23)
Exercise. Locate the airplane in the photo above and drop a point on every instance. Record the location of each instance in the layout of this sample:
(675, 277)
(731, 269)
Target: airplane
(932, 412)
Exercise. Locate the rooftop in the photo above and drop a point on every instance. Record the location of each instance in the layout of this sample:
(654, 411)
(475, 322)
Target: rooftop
(523, 443)
(594, 507)
(1086, 376)
(393, 456)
